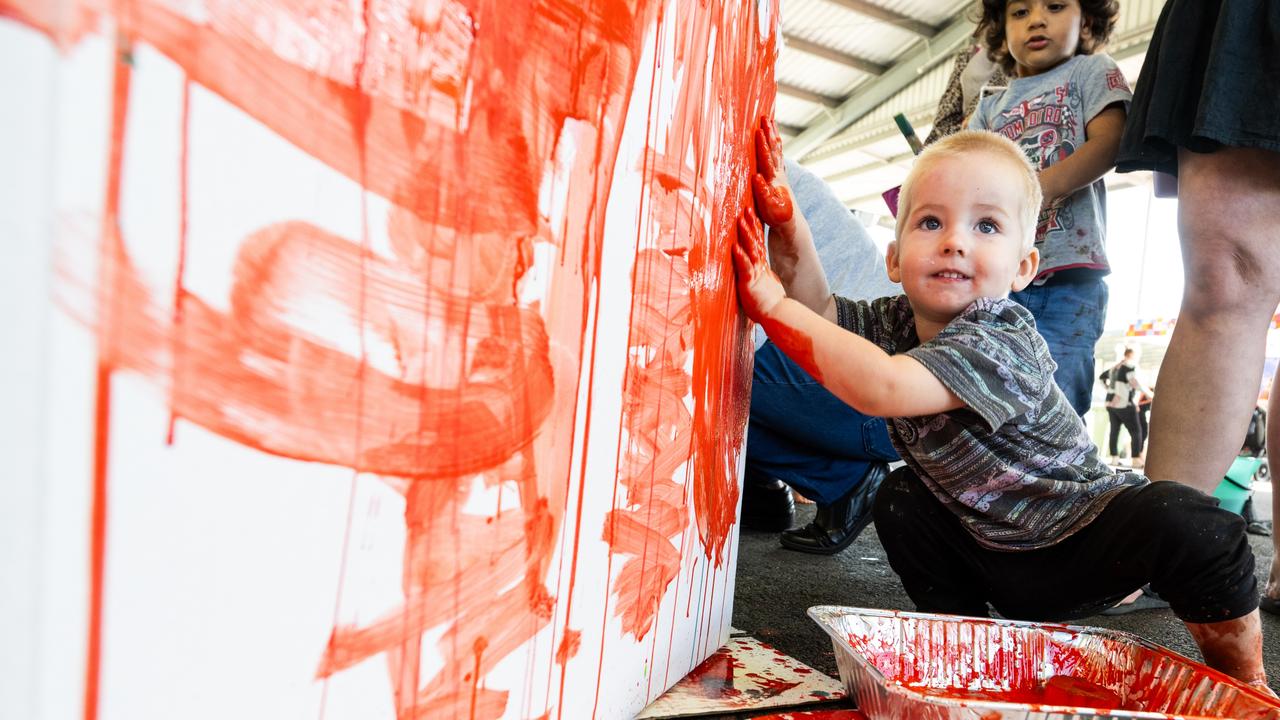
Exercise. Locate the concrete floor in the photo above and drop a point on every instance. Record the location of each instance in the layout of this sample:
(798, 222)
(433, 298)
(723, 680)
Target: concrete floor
(775, 586)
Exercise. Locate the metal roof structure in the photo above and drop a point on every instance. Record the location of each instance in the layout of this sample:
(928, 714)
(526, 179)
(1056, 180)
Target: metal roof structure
(848, 66)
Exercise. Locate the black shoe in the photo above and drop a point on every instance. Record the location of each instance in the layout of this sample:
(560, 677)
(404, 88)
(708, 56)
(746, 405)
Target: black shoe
(837, 525)
(1269, 605)
(767, 505)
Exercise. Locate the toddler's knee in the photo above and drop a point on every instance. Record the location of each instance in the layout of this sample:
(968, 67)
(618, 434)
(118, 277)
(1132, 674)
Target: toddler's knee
(1192, 519)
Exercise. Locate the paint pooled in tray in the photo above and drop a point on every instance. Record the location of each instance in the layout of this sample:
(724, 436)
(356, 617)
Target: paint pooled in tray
(919, 665)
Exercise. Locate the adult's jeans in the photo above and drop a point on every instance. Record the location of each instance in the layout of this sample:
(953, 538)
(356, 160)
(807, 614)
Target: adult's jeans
(1069, 315)
(803, 435)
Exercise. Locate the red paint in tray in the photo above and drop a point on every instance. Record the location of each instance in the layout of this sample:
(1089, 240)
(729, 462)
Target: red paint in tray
(902, 664)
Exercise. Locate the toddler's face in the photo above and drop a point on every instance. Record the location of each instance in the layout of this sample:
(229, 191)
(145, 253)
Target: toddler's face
(1042, 34)
(964, 236)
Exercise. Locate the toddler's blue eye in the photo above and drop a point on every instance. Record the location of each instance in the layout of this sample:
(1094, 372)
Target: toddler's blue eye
(930, 223)
(986, 227)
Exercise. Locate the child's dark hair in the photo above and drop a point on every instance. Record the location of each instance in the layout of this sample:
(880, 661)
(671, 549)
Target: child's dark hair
(1099, 17)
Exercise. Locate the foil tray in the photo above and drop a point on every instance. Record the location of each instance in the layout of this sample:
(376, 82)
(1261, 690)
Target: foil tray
(917, 666)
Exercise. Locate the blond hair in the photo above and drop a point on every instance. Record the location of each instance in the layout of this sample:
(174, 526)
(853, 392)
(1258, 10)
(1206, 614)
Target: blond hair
(969, 142)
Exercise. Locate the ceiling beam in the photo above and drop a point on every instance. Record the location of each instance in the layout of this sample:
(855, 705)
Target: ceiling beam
(868, 96)
(808, 95)
(792, 130)
(910, 24)
(876, 165)
(836, 56)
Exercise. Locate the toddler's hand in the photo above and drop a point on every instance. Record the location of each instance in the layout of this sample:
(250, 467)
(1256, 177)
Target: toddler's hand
(772, 192)
(759, 290)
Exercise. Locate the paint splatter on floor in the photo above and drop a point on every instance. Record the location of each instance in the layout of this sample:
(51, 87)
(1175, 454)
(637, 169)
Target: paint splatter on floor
(747, 674)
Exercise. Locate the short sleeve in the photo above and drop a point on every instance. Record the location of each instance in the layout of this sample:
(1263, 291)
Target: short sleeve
(993, 359)
(978, 121)
(1101, 84)
(886, 322)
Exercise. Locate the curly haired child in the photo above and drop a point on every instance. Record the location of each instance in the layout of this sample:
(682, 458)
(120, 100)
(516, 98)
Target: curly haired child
(1065, 108)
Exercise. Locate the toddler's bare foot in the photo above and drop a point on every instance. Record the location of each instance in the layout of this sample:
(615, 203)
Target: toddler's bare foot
(1262, 687)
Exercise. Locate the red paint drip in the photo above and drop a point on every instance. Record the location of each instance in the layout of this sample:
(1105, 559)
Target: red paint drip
(183, 215)
(102, 395)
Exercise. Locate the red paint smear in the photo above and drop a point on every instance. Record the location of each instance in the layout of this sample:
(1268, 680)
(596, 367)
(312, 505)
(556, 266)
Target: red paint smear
(434, 138)
(684, 310)
(796, 344)
(65, 23)
(569, 646)
(255, 376)
(985, 661)
(771, 686)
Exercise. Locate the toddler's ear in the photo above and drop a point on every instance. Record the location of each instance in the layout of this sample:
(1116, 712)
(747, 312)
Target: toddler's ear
(1026, 271)
(892, 265)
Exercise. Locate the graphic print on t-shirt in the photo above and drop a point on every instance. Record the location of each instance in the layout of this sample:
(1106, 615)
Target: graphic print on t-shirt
(1043, 127)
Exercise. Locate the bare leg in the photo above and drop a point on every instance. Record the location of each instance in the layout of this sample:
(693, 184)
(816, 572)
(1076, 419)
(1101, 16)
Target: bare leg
(1233, 647)
(1229, 224)
(1273, 441)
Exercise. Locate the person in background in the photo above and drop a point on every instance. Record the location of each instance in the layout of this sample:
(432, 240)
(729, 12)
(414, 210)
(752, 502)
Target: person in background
(971, 72)
(1123, 390)
(1065, 107)
(1206, 119)
(800, 435)
(1144, 413)
(1003, 499)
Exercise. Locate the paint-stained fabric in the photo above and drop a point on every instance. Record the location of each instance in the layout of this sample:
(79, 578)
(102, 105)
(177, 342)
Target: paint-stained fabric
(1015, 464)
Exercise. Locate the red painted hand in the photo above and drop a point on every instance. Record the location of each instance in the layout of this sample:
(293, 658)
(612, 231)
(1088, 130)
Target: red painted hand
(772, 192)
(759, 290)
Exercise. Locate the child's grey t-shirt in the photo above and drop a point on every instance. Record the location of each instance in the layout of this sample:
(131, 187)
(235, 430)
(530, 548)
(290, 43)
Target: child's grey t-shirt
(1015, 465)
(1046, 115)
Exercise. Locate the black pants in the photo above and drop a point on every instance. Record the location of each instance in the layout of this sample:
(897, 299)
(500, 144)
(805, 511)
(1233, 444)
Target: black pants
(1195, 555)
(1129, 418)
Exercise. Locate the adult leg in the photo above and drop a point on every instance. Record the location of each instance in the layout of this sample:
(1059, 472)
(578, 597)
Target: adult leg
(1229, 226)
(1114, 423)
(803, 435)
(1129, 416)
(809, 439)
(1271, 595)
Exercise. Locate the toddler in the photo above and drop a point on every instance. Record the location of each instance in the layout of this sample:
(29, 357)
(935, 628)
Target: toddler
(1003, 500)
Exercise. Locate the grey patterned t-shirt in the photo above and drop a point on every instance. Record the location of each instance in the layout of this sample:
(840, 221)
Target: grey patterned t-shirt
(1015, 464)
(1046, 116)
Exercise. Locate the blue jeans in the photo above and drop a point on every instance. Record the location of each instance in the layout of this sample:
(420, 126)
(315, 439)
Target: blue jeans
(1070, 316)
(803, 435)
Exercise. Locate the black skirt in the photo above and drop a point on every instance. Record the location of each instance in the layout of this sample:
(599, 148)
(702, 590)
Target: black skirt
(1211, 78)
